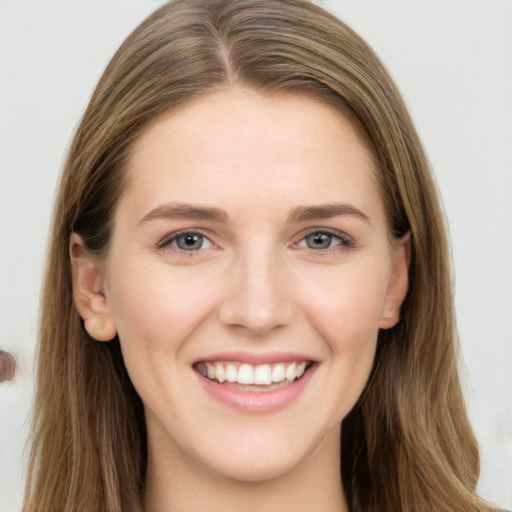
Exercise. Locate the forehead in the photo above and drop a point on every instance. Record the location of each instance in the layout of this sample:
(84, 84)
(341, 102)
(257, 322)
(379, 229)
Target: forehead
(241, 144)
(215, 114)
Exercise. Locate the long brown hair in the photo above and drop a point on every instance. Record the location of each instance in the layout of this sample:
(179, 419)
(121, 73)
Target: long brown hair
(407, 445)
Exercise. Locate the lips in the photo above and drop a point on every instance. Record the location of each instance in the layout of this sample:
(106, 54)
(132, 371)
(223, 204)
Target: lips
(255, 384)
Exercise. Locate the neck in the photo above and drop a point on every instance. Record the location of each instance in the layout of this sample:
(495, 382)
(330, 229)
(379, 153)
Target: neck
(174, 483)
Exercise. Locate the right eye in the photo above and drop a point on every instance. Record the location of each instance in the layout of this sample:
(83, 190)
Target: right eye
(190, 241)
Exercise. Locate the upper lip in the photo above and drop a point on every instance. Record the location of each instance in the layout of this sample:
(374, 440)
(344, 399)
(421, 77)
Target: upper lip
(255, 358)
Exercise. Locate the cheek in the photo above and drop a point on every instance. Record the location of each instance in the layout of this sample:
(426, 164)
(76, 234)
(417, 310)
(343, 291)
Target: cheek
(346, 315)
(158, 306)
(155, 312)
(347, 308)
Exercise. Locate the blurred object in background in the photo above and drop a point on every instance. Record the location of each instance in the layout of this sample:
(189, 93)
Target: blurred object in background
(7, 366)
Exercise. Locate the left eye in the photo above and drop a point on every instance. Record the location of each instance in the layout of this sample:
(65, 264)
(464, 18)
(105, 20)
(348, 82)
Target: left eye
(189, 241)
(321, 240)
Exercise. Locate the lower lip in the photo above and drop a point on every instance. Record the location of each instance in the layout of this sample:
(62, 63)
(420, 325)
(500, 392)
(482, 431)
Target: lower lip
(254, 402)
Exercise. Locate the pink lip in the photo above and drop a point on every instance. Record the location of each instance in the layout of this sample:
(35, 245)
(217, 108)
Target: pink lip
(254, 358)
(254, 402)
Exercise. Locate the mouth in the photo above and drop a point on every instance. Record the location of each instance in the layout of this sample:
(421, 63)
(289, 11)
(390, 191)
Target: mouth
(261, 384)
(253, 377)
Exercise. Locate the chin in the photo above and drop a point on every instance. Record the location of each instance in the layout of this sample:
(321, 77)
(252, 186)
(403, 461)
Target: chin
(252, 470)
(270, 455)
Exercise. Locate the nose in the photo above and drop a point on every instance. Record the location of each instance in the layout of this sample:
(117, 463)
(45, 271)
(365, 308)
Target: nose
(257, 295)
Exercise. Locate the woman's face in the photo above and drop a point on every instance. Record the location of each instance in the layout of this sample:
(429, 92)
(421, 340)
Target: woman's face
(250, 246)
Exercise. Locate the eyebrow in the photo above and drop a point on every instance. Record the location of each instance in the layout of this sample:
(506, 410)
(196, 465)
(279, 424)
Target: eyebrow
(299, 214)
(187, 211)
(326, 211)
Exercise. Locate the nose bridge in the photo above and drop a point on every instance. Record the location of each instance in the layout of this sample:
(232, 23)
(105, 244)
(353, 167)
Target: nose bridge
(257, 296)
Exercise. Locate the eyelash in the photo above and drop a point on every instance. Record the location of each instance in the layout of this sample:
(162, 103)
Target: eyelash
(344, 241)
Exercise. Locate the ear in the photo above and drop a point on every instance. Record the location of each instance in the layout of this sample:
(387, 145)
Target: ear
(88, 291)
(398, 284)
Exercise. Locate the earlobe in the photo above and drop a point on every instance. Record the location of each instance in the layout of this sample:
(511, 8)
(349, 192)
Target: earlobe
(398, 284)
(100, 328)
(88, 291)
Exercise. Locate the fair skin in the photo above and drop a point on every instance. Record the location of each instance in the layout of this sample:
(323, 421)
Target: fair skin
(251, 234)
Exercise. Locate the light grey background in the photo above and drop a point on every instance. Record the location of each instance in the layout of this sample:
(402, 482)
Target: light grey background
(451, 59)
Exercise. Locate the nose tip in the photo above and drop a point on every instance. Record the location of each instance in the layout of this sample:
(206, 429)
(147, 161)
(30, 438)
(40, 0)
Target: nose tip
(259, 320)
(256, 319)
(257, 299)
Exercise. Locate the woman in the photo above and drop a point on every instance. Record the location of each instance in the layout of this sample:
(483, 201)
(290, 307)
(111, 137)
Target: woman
(246, 218)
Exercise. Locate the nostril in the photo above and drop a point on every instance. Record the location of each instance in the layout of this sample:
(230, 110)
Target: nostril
(7, 366)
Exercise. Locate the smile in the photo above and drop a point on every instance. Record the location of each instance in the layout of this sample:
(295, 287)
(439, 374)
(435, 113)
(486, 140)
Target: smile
(249, 374)
(262, 388)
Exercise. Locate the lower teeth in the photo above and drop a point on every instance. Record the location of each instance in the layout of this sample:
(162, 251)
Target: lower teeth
(257, 387)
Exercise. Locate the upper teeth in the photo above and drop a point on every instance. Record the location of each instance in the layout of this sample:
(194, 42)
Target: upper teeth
(244, 373)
